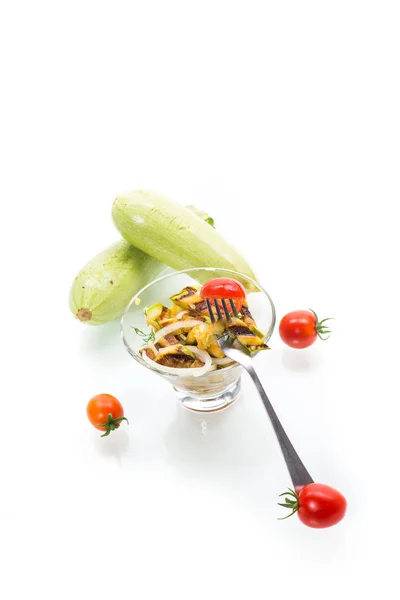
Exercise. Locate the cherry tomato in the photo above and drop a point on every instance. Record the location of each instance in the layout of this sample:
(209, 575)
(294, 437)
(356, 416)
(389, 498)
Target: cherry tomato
(105, 413)
(224, 287)
(316, 504)
(300, 328)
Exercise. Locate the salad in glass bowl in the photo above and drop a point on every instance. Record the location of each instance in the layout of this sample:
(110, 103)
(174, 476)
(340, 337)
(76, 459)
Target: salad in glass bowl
(167, 328)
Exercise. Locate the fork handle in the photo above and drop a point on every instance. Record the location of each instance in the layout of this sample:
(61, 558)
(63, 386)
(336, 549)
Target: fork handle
(298, 473)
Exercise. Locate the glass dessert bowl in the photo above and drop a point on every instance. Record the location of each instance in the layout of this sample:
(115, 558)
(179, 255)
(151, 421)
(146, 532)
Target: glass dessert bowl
(216, 384)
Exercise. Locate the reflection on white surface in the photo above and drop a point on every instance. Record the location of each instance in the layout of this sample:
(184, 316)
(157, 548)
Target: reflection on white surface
(116, 446)
(307, 359)
(230, 439)
(101, 345)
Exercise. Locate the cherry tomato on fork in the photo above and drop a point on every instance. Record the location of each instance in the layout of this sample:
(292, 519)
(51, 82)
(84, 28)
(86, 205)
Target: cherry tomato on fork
(224, 287)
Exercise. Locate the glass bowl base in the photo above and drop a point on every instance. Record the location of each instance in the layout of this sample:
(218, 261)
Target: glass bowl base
(210, 403)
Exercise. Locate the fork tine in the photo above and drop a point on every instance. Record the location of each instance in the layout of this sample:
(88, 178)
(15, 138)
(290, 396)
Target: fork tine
(228, 316)
(217, 309)
(235, 312)
(210, 311)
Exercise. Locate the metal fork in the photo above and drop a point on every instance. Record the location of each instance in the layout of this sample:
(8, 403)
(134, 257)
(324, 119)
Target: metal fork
(228, 344)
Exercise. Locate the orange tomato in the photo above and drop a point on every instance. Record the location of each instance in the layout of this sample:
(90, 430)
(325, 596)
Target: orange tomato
(105, 412)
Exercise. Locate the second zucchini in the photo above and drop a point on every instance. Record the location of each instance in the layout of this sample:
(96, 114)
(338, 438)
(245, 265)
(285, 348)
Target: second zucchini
(173, 234)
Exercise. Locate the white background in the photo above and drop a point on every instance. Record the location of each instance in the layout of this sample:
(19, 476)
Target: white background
(282, 120)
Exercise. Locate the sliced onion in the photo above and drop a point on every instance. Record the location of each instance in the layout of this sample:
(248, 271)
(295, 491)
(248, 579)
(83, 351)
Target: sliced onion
(182, 371)
(174, 326)
(203, 356)
(222, 361)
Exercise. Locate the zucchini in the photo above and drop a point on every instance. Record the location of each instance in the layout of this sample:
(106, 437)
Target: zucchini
(156, 316)
(105, 285)
(193, 333)
(173, 234)
(206, 338)
(103, 288)
(154, 312)
(244, 334)
(249, 321)
(175, 357)
(187, 298)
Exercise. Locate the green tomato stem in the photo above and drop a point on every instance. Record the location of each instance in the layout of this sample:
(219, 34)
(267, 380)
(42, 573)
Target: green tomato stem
(320, 328)
(291, 502)
(111, 424)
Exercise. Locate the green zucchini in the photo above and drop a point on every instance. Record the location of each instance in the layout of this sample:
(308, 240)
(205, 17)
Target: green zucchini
(173, 234)
(105, 285)
(103, 288)
(188, 297)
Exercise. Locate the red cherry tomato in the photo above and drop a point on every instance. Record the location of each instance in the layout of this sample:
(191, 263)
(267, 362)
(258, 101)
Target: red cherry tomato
(105, 413)
(317, 505)
(300, 328)
(224, 287)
